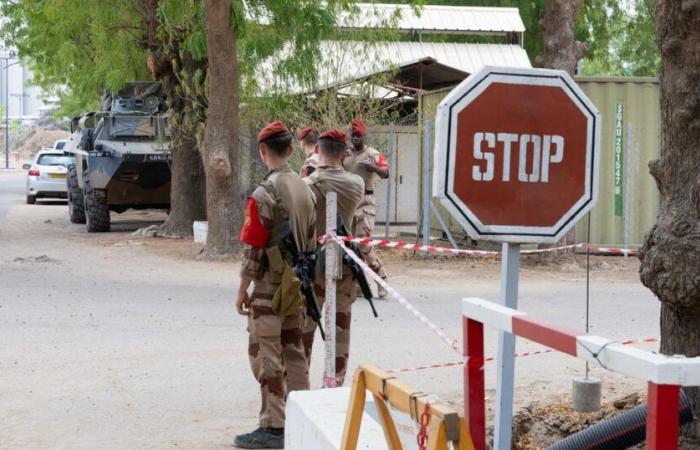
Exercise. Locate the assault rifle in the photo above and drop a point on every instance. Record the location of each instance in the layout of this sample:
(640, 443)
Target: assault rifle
(355, 267)
(304, 268)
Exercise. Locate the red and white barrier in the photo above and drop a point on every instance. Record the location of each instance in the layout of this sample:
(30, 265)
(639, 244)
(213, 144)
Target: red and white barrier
(486, 253)
(665, 375)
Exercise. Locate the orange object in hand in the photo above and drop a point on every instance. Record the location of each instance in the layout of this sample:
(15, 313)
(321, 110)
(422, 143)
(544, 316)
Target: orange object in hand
(382, 162)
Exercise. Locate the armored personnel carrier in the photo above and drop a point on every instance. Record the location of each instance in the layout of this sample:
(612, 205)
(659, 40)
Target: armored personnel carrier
(122, 157)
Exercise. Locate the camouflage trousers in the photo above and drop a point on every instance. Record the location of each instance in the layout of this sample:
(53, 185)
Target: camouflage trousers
(276, 354)
(363, 224)
(345, 295)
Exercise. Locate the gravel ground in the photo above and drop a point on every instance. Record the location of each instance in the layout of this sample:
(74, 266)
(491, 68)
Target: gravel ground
(123, 342)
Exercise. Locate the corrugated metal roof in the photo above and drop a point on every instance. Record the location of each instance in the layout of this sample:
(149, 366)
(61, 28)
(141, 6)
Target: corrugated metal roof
(465, 57)
(435, 19)
(343, 62)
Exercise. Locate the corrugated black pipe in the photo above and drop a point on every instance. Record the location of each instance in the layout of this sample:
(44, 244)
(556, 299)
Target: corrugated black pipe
(619, 432)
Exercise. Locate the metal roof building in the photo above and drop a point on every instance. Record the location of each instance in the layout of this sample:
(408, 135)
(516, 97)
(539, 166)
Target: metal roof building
(410, 65)
(435, 19)
(436, 65)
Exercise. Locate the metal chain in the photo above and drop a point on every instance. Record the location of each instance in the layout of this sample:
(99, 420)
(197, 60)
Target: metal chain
(422, 437)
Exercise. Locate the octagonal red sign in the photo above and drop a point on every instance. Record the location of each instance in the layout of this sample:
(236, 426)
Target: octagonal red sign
(517, 154)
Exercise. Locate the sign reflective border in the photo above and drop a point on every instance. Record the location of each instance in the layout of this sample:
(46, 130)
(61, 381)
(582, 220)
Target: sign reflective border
(516, 157)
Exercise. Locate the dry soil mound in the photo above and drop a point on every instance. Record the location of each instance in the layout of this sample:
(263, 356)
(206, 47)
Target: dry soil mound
(36, 139)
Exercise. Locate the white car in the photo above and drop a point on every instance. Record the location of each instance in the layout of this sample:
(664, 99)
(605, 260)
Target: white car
(47, 176)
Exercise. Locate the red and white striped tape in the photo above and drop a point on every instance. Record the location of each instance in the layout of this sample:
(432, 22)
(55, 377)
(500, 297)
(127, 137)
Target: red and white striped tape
(459, 251)
(453, 343)
(517, 355)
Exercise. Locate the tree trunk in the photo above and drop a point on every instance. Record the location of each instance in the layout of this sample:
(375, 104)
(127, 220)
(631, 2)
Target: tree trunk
(671, 253)
(220, 146)
(561, 50)
(187, 193)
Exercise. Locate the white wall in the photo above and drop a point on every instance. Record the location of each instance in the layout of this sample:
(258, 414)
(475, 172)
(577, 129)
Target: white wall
(24, 100)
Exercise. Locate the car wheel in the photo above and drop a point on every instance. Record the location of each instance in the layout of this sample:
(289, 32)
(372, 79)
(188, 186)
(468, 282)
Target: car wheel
(96, 209)
(76, 203)
(31, 199)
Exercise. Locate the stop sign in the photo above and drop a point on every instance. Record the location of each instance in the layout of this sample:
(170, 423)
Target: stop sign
(517, 154)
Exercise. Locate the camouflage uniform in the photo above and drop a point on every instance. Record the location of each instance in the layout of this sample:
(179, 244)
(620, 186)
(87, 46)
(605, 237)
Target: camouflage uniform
(366, 213)
(275, 347)
(350, 190)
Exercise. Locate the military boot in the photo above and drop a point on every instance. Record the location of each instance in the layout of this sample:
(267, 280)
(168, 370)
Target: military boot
(261, 438)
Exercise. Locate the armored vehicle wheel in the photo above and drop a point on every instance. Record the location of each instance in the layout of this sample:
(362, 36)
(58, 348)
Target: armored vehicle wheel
(76, 203)
(96, 209)
(31, 199)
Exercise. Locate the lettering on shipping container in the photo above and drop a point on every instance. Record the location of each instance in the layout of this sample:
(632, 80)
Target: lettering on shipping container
(619, 119)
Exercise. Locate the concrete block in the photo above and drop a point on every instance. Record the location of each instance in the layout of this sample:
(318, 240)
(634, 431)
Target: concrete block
(200, 229)
(586, 394)
(315, 421)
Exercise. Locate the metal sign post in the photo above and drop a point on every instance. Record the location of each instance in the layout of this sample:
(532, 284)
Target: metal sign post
(516, 162)
(329, 379)
(505, 371)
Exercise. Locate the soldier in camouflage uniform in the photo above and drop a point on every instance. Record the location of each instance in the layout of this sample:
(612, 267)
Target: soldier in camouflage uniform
(308, 137)
(274, 324)
(370, 164)
(331, 176)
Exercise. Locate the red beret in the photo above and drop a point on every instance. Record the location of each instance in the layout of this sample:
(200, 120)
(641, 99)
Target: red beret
(305, 132)
(334, 134)
(358, 127)
(272, 129)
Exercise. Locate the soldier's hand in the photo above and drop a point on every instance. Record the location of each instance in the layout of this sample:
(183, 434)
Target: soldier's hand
(243, 303)
(369, 164)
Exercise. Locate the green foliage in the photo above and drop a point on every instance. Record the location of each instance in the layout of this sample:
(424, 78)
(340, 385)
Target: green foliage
(76, 48)
(638, 53)
(317, 56)
(622, 38)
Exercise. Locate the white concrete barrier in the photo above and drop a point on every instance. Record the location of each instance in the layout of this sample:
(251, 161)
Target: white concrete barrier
(315, 421)
(200, 229)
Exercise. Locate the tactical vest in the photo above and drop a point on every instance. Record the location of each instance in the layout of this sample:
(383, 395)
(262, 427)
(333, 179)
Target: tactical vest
(279, 254)
(280, 223)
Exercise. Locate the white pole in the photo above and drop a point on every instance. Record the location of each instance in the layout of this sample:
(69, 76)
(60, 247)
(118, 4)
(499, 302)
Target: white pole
(390, 184)
(329, 379)
(7, 114)
(427, 147)
(510, 266)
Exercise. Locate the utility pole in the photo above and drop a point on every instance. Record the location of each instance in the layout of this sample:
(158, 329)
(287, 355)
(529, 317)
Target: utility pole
(7, 106)
(7, 114)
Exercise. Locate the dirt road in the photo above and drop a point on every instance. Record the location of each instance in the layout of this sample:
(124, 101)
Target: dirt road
(121, 342)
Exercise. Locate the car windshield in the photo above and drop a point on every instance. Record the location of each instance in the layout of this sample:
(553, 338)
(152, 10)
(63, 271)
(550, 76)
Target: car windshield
(49, 159)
